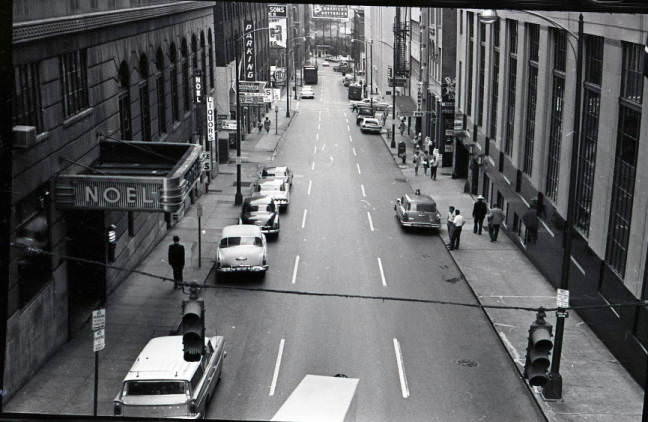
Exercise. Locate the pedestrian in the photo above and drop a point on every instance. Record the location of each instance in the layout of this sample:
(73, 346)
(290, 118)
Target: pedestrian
(260, 125)
(402, 150)
(450, 223)
(401, 126)
(177, 261)
(428, 145)
(540, 205)
(530, 220)
(419, 140)
(426, 162)
(480, 209)
(417, 160)
(266, 124)
(434, 163)
(495, 219)
(456, 233)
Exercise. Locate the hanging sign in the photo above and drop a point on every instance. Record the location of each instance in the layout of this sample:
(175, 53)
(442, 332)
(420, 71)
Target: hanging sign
(198, 87)
(249, 66)
(211, 121)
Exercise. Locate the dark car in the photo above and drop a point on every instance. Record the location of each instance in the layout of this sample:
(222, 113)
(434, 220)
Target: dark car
(417, 211)
(364, 112)
(261, 211)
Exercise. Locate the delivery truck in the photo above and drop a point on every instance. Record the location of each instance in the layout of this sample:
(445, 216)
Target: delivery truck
(310, 75)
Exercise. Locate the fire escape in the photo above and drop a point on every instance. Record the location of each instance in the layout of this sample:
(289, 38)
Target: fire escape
(401, 59)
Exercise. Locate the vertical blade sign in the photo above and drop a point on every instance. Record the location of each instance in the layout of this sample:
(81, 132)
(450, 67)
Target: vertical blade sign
(250, 56)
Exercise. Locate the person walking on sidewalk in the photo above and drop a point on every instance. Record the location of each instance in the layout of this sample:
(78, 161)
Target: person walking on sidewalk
(426, 162)
(266, 124)
(434, 163)
(177, 261)
(417, 161)
(480, 209)
(450, 224)
(456, 233)
(530, 220)
(495, 219)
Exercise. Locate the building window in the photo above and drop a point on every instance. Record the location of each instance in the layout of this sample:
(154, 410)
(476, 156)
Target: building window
(461, 22)
(589, 132)
(495, 80)
(555, 132)
(211, 59)
(534, 35)
(131, 223)
(482, 70)
(185, 77)
(469, 62)
(625, 162)
(145, 114)
(161, 93)
(173, 76)
(125, 126)
(74, 82)
(27, 97)
(512, 81)
(203, 60)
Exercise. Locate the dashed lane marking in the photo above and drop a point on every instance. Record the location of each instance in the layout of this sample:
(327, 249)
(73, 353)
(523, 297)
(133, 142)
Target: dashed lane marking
(277, 365)
(401, 370)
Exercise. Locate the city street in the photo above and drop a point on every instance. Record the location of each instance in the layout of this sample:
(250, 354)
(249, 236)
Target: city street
(415, 361)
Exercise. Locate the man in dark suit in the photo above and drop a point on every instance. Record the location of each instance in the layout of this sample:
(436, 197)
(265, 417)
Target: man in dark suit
(480, 209)
(177, 261)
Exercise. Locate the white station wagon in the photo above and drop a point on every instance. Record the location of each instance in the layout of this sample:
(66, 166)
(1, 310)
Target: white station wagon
(242, 248)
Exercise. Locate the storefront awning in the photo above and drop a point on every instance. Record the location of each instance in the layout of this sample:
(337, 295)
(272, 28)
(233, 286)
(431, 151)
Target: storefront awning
(133, 176)
(405, 105)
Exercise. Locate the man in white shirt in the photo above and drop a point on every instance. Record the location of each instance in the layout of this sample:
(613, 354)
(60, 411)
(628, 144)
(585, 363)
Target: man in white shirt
(458, 223)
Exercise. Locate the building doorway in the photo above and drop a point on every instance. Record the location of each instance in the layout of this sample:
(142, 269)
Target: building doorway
(461, 161)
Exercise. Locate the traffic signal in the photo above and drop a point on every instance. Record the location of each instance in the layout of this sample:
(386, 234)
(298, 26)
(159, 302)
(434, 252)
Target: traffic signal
(193, 329)
(538, 350)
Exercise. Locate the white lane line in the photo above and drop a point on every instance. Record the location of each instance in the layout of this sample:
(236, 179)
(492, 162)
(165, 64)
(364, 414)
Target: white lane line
(294, 277)
(547, 228)
(382, 273)
(319, 117)
(345, 114)
(304, 218)
(315, 149)
(277, 365)
(313, 166)
(347, 120)
(323, 147)
(577, 265)
(354, 152)
(310, 184)
(401, 370)
(358, 166)
(364, 195)
(348, 128)
(370, 221)
(318, 126)
(350, 138)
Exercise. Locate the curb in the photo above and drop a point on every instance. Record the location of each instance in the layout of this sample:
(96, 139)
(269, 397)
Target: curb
(490, 321)
(283, 135)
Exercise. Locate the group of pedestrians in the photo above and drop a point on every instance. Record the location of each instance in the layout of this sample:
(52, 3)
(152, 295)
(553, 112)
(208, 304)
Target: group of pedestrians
(427, 155)
(455, 221)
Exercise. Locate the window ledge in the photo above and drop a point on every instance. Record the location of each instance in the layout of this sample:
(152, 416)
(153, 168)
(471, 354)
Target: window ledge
(77, 117)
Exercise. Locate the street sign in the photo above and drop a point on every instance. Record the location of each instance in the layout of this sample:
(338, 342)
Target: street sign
(197, 87)
(398, 81)
(330, 11)
(251, 86)
(276, 10)
(226, 124)
(99, 342)
(562, 298)
(247, 99)
(98, 319)
(211, 122)
(276, 94)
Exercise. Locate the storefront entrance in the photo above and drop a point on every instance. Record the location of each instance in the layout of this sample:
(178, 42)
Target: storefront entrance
(461, 161)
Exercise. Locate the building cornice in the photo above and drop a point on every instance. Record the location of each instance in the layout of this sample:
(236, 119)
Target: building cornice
(46, 28)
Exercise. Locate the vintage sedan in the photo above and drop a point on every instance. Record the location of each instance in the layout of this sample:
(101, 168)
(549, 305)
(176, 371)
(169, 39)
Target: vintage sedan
(417, 210)
(261, 211)
(242, 248)
(277, 172)
(363, 113)
(307, 92)
(275, 188)
(371, 125)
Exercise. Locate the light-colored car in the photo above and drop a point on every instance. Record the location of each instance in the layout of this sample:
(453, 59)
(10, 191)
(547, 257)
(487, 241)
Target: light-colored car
(307, 92)
(370, 124)
(275, 188)
(261, 211)
(242, 248)
(277, 172)
(417, 211)
(162, 384)
(325, 64)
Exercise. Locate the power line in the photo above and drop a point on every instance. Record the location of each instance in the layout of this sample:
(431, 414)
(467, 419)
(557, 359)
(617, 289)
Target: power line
(338, 295)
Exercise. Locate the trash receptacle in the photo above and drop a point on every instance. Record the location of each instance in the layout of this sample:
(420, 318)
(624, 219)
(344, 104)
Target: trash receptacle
(401, 148)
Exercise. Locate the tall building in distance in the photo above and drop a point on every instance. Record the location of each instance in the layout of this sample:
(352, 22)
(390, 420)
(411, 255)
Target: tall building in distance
(515, 117)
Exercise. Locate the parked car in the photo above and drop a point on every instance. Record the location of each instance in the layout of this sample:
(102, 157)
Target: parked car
(307, 92)
(417, 211)
(261, 211)
(277, 172)
(274, 188)
(325, 64)
(363, 112)
(370, 124)
(162, 384)
(242, 248)
(377, 104)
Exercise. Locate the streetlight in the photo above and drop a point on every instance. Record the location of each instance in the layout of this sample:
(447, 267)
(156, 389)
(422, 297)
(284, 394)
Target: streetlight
(553, 388)
(276, 117)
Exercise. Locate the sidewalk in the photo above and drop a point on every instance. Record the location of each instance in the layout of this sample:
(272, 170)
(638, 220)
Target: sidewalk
(596, 387)
(142, 307)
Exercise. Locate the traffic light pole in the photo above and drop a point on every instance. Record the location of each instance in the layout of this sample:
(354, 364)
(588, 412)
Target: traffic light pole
(393, 139)
(238, 198)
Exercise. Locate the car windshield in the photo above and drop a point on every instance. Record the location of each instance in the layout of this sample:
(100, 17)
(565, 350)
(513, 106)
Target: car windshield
(154, 388)
(270, 187)
(228, 242)
(425, 207)
(259, 207)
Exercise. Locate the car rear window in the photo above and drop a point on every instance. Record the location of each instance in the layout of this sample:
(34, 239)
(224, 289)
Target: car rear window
(256, 208)
(154, 388)
(228, 242)
(425, 207)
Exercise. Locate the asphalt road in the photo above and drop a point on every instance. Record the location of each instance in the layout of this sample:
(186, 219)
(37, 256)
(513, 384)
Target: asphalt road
(415, 361)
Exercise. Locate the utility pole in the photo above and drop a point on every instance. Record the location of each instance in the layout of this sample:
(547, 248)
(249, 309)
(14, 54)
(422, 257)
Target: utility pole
(288, 62)
(238, 198)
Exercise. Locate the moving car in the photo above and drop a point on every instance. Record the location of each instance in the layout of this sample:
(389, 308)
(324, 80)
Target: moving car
(363, 112)
(307, 92)
(370, 124)
(325, 64)
(277, 189)
(277, 172)
(162, 384)
(261, 211)
(242, 248)
(417, 211)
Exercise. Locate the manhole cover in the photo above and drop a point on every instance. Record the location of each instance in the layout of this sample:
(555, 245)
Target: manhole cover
(467, 362)
(401, 179)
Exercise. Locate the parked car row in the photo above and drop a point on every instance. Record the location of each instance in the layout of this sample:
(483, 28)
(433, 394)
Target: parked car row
(243, 247)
